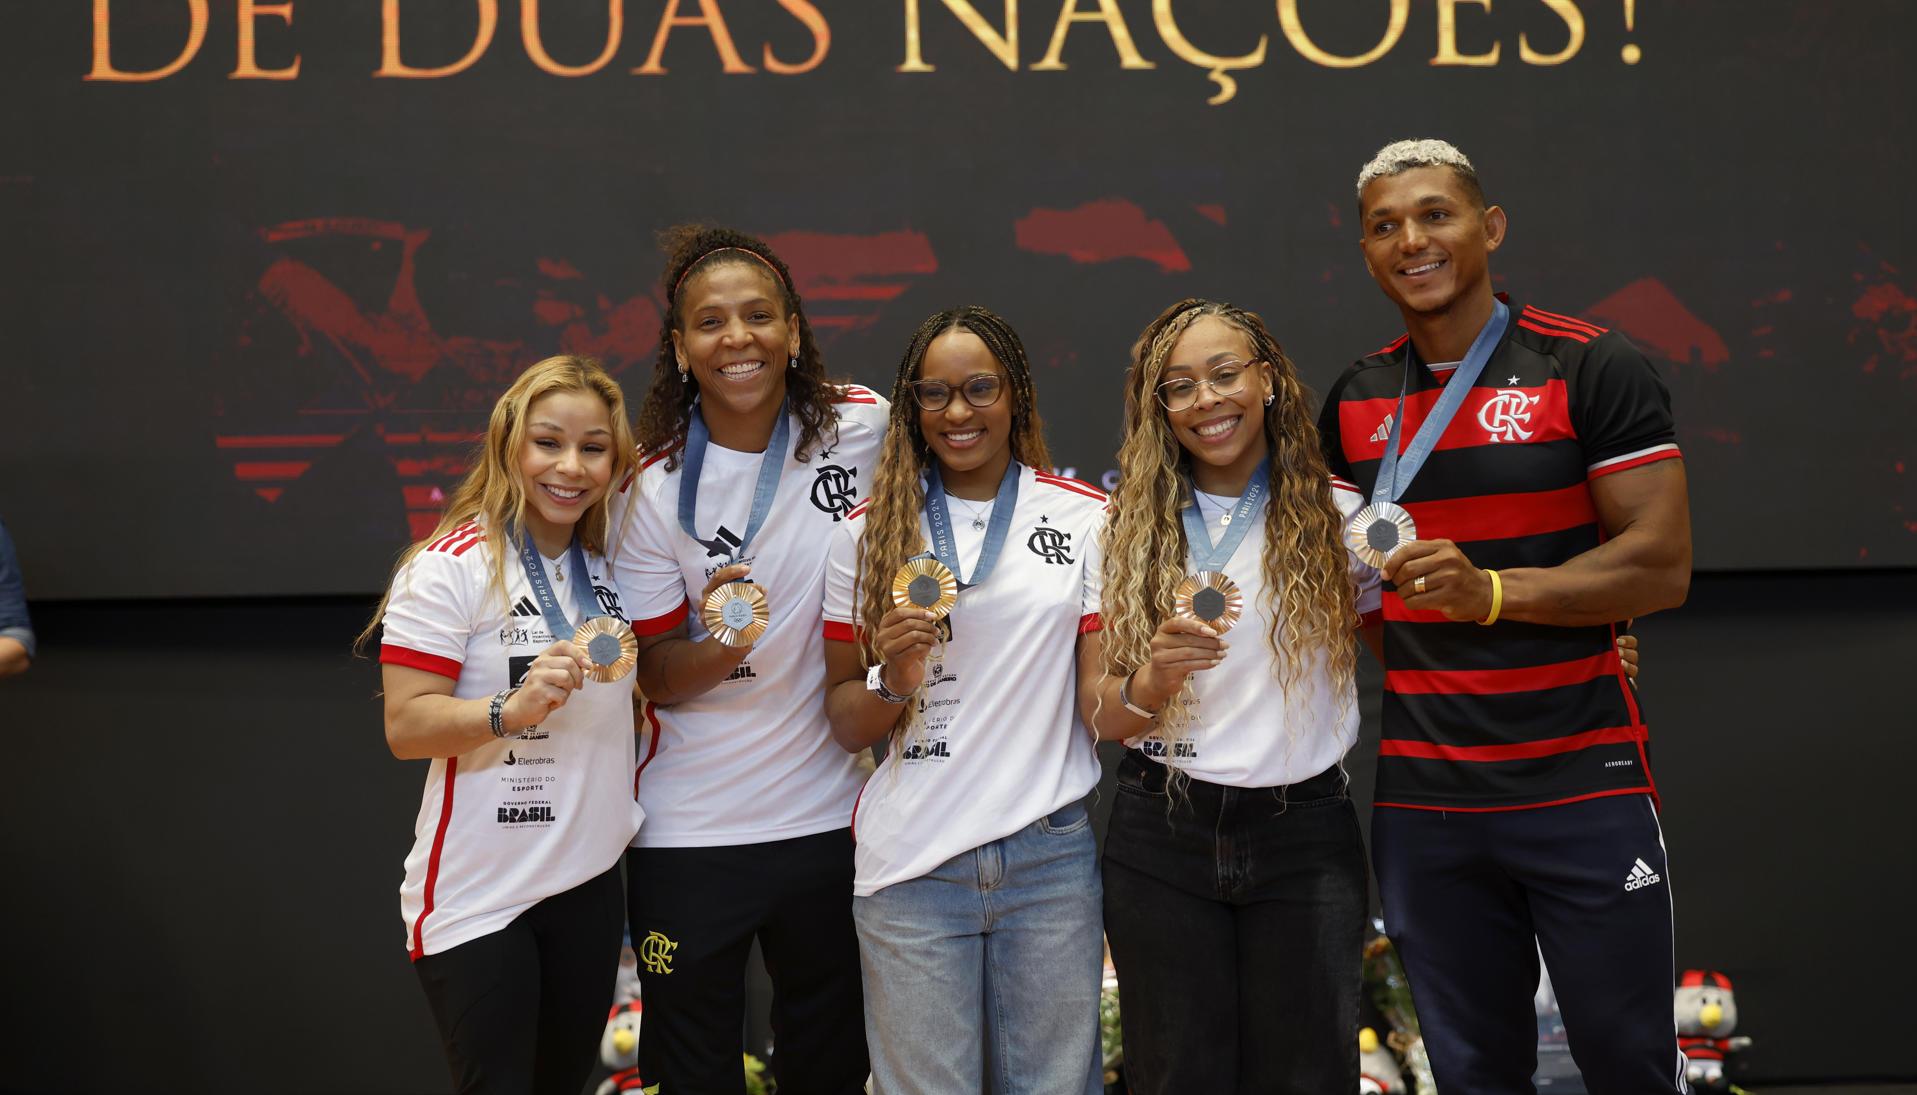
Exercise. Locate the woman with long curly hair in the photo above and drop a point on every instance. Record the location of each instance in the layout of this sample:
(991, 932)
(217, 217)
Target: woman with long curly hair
(750, 458)
(512, 899)
(977, 894)
(1234, 869)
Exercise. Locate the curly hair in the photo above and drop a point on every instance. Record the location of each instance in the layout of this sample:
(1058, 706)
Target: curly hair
(667, 411)
(892, 533)
(1308, 588)
(494, 491)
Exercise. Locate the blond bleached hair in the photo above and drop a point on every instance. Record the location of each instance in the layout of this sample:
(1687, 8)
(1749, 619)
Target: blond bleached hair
(1308, 587)
(892, 533)
(494, 493)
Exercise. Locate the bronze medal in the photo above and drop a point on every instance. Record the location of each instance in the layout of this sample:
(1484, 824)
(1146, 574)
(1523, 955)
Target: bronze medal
(925, 583)
(1210, 598)
(736, 614)
(610, 647)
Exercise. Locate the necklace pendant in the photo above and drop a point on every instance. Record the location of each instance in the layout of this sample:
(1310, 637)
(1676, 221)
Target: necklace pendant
(1224, 519)
(558, 574)
(978, 522)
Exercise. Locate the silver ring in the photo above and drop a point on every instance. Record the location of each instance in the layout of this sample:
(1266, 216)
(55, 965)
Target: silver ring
(1419, 584)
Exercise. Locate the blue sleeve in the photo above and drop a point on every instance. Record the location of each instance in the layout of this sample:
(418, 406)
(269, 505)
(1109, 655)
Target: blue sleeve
(14, 621)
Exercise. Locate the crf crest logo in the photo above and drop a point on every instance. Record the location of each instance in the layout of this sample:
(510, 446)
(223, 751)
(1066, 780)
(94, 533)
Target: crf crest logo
(834, 491)
(1506, 414)
(655, 950)
(1051, 545)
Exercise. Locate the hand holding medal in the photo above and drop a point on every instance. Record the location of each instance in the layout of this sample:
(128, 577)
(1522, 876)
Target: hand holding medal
(547, 684)
(733, 609)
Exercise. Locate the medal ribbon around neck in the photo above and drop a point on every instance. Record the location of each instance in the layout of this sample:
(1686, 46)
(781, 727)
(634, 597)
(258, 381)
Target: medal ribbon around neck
(939, 517)
(771, 468)
(607, 641)
(583, 597)
(1395, 474)
(1206, 556)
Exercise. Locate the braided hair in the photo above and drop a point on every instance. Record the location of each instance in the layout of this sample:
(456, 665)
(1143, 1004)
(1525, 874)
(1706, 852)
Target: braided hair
(898, 492)
(666, 414)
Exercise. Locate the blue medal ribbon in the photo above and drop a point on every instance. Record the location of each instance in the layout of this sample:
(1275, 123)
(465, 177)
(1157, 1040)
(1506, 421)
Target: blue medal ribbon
(583, 598)
(1395, 474)
(771, 467)
(1205, 555)
(939, 517)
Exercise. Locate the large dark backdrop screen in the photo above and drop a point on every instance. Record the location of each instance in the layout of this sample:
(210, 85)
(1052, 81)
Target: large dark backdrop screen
(264, 275)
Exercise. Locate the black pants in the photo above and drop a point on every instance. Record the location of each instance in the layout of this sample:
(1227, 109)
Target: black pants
(1236, 925)
(521, 1010)
(1465, 896)
(695, 913)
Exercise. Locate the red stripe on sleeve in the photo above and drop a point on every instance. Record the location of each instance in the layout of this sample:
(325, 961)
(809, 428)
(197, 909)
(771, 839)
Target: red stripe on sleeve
(1090, 622)
(478, 537)
(1481, 682)
(1561, 320)
(418, 659)
(659, 625)
(432, 860)
(1504, 516)
(1532, 325)
(841, 632)
(1647, 458)
(1523, 750)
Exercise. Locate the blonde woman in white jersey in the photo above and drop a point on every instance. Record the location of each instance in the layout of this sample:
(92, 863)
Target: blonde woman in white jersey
(512, 899)
(751, 459)
(977, 882)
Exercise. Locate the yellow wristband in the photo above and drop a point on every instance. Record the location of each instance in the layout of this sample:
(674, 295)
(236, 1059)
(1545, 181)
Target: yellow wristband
(1497, 599)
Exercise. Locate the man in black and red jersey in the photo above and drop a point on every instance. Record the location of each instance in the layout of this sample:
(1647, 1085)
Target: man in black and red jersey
(1514, 793)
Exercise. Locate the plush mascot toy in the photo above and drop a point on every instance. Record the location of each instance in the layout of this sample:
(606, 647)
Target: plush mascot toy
(1378, 1072)
(1706, 1016)
(619, 1049)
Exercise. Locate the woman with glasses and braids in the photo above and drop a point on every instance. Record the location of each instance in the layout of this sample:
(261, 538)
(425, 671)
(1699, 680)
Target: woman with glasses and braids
(751, 457)
(1234, 870)
(977, 893)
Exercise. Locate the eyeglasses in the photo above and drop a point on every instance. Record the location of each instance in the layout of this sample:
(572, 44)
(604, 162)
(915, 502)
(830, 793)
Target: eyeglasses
(1226, 379)
(980, 390)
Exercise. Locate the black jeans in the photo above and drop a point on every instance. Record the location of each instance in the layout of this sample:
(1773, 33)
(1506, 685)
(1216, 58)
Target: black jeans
(521, 1010)
(1236, 922)
(695, 912)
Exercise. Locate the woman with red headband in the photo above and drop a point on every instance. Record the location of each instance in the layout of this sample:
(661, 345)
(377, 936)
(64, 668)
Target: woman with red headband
(750, 458)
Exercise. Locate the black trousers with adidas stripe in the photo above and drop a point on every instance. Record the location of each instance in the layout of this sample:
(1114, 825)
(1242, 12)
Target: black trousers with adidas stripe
(1466, 895)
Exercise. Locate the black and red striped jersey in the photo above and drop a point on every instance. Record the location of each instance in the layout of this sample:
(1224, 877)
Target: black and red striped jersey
(1516, 714)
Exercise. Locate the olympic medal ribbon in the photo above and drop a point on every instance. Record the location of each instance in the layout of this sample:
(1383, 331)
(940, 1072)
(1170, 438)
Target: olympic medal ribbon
(939, 517)
(771, 467)
(1208, 556)
(1380, 528)
(583, 599)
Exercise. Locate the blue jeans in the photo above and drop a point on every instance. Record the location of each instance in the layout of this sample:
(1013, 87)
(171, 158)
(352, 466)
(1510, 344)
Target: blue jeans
(993, 959)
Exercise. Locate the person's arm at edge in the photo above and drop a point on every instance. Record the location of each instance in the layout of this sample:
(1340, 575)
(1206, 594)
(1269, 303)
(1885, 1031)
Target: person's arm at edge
(14, 658)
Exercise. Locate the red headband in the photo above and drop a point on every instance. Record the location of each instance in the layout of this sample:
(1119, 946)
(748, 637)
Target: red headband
(780, 278)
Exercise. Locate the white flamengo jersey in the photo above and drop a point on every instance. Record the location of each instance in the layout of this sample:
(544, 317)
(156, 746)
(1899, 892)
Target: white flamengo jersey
(513, 821)
(752, 760)
(1244, 731)
(1001, 743)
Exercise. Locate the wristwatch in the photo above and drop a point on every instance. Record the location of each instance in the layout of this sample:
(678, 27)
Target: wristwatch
(875, 683)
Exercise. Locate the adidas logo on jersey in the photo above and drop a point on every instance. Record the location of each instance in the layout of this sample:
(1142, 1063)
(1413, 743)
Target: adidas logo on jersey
(525, 607)
(1641, 876)
(1383, 432)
